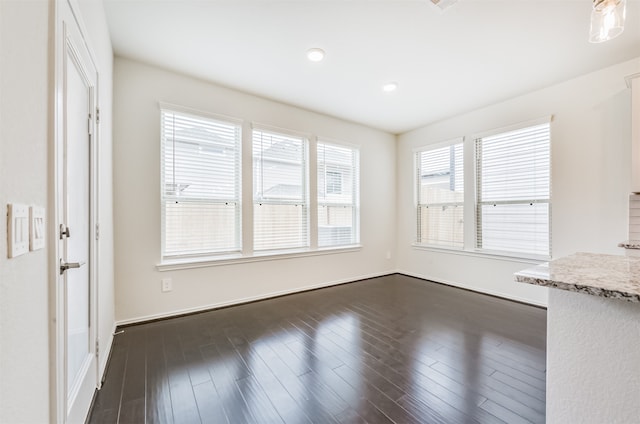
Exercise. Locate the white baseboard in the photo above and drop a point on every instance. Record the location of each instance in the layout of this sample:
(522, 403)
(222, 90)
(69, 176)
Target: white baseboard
(178, 312)
(474, 288)
(102, 366)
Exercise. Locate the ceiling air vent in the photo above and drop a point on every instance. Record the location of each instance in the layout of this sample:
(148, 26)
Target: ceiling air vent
(443, 4)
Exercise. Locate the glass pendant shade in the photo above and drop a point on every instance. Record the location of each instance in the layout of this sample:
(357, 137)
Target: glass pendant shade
(607, 20)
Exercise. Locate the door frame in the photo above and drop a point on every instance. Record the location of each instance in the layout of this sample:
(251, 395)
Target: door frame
(66, 15)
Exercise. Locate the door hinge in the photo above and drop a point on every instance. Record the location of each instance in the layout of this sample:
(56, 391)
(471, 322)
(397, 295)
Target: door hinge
(98, 347)
(97, 115)
(97, 231)
(64, 231)
(89, 126)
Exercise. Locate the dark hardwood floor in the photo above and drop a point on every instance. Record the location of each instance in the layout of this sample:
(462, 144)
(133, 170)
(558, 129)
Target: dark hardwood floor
(393, 349)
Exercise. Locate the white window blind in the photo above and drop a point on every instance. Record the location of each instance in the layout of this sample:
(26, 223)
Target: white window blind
(440, 196)
(338, 187)
(200, 185)
(280, 203)
(513, 193)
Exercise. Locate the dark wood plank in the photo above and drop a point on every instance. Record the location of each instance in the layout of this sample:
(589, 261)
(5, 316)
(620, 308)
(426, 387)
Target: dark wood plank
(223, 367)
(393, 349)
(183, 402)
(158, 393)
(132, 411)
(495, 396)
(106, 406)
(209, 403)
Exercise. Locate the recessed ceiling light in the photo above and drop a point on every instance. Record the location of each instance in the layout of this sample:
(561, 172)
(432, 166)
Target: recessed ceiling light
(315, 54)
(390, 87)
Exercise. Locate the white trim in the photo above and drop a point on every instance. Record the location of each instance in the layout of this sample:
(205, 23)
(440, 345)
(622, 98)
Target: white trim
(438, 145)
(203, 113)
(106, 350)
(631, 77)
(312, 191)
(474, 288)
(213, 306)
(514, 127)
(499, 256)
(256, 126)
(189, 263)
(338, 143)
(67, 16)
(178, 312)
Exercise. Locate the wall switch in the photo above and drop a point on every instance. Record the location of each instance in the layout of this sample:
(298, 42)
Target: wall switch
(18, 230)
(36, 228)
(167, 285)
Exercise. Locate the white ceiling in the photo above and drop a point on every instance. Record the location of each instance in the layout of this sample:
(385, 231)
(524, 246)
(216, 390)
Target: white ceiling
(476, 53)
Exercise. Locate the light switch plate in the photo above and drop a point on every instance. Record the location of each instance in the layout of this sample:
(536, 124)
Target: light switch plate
(18, 230)
(36, 228)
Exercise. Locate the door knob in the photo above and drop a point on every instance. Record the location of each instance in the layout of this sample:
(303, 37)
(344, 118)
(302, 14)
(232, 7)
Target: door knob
(68, 265)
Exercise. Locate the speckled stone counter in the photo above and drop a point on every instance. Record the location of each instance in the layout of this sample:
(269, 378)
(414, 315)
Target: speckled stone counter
(609, 276)
(630, 244)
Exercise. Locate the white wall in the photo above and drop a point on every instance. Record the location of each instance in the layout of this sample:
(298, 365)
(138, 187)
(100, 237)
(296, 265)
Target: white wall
(97, 33)
(137, 90)
(590, 178)
(26, 87)
(24, 136)
(593, 368)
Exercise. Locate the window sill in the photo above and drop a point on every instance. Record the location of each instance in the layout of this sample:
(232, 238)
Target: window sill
(501, 256)
(209, 261)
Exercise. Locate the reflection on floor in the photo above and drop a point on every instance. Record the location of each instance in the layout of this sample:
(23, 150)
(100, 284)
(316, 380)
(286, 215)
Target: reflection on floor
(389, 349)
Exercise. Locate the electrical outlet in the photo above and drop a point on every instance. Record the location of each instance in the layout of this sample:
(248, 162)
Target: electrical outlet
(166, 285)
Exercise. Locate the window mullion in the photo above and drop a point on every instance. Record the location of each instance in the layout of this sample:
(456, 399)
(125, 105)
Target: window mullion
(247, 189)
(312, 173)
(470, 211)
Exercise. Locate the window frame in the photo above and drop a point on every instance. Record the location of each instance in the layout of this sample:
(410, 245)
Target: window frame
(479, 203)
(247, 254)
(417, 190)
(305, 188)
(355, 204)
(471, 199)
(222, 119)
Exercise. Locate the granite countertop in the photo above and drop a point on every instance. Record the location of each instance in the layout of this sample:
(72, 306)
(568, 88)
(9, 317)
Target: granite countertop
(630, 244)
(600, 275)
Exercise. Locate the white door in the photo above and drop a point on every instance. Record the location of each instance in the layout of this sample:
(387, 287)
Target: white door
(76, 212)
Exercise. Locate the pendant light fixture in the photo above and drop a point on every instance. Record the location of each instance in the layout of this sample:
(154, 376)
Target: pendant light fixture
(607, 20)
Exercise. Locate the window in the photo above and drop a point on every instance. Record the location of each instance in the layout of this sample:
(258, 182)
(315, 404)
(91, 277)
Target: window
(280, 201)
(200, 177)
(440, 196)
(202, 215)
(333, 181)
(511, 200)
(513, 191)
(338, 184)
